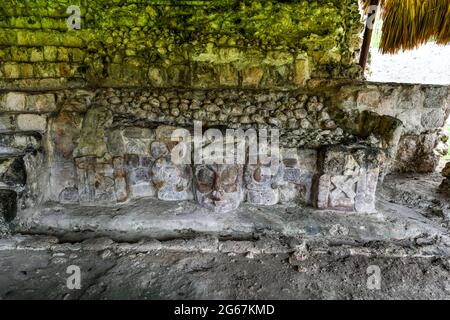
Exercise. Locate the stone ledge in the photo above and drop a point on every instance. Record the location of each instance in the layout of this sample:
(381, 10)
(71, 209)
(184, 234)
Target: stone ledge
(154, 219)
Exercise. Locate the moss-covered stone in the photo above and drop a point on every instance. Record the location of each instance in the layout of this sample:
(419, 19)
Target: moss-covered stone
(228, 42)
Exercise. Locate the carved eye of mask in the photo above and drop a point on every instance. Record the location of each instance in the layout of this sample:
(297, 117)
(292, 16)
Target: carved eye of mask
(229, 175)
(229, 179)
(257, 174)
(262, 174)
(205, 179)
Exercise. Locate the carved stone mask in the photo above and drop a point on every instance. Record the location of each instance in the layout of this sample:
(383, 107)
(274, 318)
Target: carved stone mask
(172, 181)
(218, 187)
(262, 180)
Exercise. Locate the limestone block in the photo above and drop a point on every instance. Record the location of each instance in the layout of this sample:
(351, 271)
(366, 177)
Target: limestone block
(262, 180)
(348, 178)
(95, 181)
(301, 71)
(7, 123)
(31, 122)
(435, 118)
(13, 101)
(415, 153)
(348, 192)
(251, 76)
(138, 175)
(120, 181)
(172, 181)
(156, 77)
(63, 181)
(368, 100)
(17, 143)
(299, 168)
(41, 103)
(69, 195)
(11, 70)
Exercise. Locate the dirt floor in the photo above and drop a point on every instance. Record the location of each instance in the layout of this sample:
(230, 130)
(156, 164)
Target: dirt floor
(131, 272)
(402, 252)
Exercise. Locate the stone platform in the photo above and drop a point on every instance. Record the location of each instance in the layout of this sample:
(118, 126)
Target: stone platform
(149, 218)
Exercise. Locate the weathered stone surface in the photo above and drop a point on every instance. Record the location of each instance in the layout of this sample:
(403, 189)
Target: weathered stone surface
(31, 122)
(422, 109)
(19, 143)
(92, 140)
(126, 132)
(221, 49)
(218, 187)
(138, 175)
(416, 153)
(299, 168)
(7, 122)
(64, 132)
(8, 205)
(13, 172)
(446, 170)
(13, 101)
(172, 181)
(37, 179)
(348, 178)
(120, 179)
(301, 71)
(434, 118)
(262, 180)
(40, 103)
(95, 181)
(69, 195)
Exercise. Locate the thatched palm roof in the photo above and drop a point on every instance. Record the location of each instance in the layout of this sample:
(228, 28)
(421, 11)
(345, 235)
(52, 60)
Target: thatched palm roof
(410, 23)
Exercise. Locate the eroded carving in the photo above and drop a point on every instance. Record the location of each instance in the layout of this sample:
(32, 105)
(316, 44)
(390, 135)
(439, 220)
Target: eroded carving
(218, 187)
(262, 180)
(172, 181)
(348, 179)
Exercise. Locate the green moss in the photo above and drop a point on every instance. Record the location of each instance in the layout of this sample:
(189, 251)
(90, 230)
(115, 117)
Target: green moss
(243, 34)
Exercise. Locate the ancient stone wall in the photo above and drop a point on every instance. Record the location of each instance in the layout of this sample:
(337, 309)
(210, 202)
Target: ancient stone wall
(110, 145)
(163, 43)
(423, 110)
(86, 115)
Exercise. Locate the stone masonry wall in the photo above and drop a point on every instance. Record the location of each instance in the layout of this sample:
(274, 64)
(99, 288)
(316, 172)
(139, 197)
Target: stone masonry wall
(201, 44)
(423, 109)
(96, 146)
(49, 139)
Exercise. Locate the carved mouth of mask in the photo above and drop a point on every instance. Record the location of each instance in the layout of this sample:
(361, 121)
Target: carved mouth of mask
(219, 186)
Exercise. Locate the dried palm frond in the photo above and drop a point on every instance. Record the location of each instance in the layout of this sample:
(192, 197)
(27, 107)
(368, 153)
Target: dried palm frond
(410, 23)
